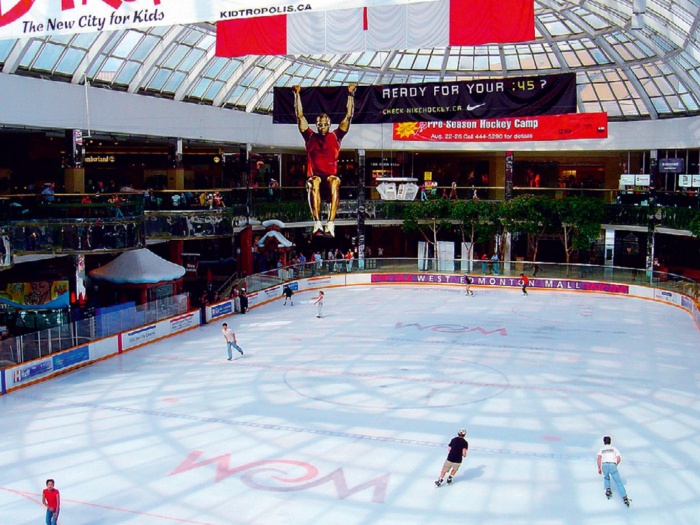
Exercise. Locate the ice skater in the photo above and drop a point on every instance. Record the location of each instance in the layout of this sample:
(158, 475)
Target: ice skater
(608, 460)
(318, 301)
(468, 285)
(231, 342)
(288, 293)
(51, 499)
(525, 281)
(456, 451)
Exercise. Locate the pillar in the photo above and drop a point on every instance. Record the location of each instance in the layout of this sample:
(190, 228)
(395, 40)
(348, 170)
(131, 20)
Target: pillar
(176, 172)
(74, 180)
(176, 252)
(245, 263)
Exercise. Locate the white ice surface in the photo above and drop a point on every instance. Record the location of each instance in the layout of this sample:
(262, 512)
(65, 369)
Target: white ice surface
(345, 420)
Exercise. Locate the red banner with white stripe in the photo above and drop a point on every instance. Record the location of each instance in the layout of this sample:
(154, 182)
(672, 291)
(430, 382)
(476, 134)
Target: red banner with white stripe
(439, 23)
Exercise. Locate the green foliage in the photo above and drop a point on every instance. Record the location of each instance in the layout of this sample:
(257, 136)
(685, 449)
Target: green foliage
(580, 221)
(427, 215)
(695, 225)
(291, 211)
(474, 218)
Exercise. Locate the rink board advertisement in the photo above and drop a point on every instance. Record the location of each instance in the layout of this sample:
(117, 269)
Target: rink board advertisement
(538, 128)
(20, 375)
(45, 367)
(155, 331)
(502, 282)
(218, 310)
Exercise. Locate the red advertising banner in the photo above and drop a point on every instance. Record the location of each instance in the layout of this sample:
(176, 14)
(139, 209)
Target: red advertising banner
(512, 129)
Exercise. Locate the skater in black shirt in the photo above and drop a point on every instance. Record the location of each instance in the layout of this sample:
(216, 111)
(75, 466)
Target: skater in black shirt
(468, 282)
(287, 292)
(456, 451)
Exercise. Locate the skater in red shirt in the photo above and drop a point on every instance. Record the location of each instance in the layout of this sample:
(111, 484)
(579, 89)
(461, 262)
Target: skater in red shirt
(525, 281)
(322, 150)
(51, 499)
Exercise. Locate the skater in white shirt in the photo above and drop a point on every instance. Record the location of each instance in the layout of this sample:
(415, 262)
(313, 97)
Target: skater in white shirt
(608, 460)
(318, 301)
(230, 338)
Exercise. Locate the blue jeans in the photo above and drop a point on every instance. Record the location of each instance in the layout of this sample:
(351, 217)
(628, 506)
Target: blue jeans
(51, 517)
(230, 345)
(610, 471)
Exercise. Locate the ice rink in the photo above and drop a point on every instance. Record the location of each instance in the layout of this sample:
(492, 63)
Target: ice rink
(345, 420)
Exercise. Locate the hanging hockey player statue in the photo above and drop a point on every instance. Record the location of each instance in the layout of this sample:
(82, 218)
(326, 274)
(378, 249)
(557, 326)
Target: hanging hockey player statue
(322, 150)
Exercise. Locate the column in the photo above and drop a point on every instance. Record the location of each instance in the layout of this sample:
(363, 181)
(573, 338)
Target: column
(176, 171)
(74, 172)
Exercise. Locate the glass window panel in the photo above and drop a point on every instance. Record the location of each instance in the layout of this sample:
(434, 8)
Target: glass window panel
(144, 48)
(191, 38)
(592, 107)
(48, 57)
(70, 61)
(690, 102)
(603, 91)
(85, 40)
(127, 73)
(159, 80)
(175, 56)
(200, 88)
(481, 64)
(214, 89)
(512, 62)
(127, 44)
(177, 78)
(112, 65)
(660, 105)
(435, 62)
(214, 68)
(5, 49)
(191, 59)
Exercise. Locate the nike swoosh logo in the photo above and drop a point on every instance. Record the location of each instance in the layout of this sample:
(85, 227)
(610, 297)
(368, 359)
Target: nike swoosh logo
(472, 108)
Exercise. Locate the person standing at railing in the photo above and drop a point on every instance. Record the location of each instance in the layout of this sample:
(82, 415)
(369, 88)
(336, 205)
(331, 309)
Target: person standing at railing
(244, 301)
(48, 193)
(349, 257)
(484, 263)
(236, 299)
(318, 263)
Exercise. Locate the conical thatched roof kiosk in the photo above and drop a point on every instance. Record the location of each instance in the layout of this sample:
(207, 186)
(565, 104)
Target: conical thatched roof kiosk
(140, 275)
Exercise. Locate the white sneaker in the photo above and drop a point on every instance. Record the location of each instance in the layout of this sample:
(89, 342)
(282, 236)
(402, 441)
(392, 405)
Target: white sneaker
(330, 228)
(317, 227)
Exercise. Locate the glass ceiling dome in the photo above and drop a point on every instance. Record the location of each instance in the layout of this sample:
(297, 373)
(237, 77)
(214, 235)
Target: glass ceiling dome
(634, 59)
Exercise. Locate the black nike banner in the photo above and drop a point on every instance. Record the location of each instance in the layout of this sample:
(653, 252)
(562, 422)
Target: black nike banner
(475, 99)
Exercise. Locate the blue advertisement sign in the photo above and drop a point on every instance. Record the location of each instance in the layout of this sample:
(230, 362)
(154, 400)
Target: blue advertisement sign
(31, 371)
(222, 309)
(71, 357)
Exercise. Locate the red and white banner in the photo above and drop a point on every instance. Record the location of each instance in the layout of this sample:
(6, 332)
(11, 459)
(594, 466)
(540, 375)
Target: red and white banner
(519, 129)
(28, 18)
(417, 25)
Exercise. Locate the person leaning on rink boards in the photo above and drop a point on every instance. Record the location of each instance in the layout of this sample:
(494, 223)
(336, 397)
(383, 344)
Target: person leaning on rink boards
(456, 451)
(608, 460)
